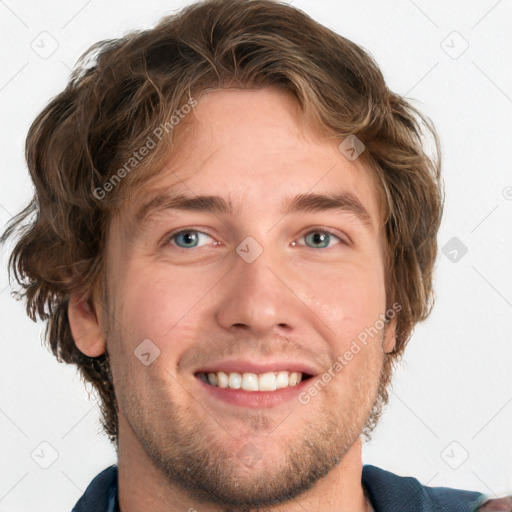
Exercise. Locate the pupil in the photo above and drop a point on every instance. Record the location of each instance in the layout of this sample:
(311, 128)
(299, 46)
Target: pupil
(188, 238)
(319, 238)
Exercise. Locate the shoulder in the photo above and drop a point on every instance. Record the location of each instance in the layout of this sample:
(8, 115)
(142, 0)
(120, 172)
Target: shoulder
(389, 492)
(101, 493)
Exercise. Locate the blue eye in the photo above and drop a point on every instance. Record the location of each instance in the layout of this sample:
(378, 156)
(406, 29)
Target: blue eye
(320, 239)
(190, 238)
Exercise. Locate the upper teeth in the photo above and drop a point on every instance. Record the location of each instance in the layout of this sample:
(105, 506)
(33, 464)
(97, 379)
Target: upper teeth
(269, 381)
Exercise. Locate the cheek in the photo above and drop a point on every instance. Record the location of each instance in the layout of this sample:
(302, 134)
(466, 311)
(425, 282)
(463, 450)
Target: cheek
(159, 307)
(158, 304)
(348, 298)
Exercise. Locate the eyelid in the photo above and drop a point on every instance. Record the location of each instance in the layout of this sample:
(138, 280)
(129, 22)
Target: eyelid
(168, 238)
(343, 238)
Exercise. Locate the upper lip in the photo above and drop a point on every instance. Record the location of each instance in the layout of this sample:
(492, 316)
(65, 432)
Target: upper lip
(255, 366)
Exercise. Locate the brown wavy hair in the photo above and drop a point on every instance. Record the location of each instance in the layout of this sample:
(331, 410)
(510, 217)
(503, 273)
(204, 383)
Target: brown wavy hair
(123, 89)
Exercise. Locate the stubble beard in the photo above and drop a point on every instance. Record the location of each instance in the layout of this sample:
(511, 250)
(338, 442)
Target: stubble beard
(186, 449)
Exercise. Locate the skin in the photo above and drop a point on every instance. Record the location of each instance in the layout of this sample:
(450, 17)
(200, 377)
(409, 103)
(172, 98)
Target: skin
(177, 445)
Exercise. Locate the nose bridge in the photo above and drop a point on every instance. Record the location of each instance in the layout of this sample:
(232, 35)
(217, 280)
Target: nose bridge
(256, 296)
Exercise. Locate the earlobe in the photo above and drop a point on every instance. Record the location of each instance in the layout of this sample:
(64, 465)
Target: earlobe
(85, 326)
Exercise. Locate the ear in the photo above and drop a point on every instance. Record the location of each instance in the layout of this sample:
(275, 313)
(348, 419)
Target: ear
(85, 326)
(389, 342)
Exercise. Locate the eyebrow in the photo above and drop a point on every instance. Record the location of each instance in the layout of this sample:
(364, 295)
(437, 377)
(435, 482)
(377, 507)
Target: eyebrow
(344, 202)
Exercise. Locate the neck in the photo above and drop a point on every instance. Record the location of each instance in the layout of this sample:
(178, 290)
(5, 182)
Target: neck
(143, 487)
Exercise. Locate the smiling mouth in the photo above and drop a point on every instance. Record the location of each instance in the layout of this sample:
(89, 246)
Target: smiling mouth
(268, 381)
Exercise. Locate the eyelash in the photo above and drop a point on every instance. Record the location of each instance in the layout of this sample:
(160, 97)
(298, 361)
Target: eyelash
(172, 236)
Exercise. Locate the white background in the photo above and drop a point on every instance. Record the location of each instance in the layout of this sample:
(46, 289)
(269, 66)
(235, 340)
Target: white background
(452, 397)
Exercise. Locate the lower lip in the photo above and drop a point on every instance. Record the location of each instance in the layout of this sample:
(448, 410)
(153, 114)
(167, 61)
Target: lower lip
(256, 399)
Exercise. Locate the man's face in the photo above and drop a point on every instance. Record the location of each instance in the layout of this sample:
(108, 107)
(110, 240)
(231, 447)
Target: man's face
(255, 291)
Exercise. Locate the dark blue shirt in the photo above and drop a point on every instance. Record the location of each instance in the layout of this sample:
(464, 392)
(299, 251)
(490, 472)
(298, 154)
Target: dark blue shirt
(387, 493)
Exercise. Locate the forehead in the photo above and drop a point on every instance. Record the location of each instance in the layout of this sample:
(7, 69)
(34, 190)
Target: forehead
(253, 149)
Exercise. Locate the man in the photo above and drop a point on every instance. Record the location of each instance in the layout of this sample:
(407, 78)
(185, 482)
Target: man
(235, 235)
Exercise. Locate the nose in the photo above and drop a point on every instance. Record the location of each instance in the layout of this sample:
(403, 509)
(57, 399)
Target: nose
(261, 297)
